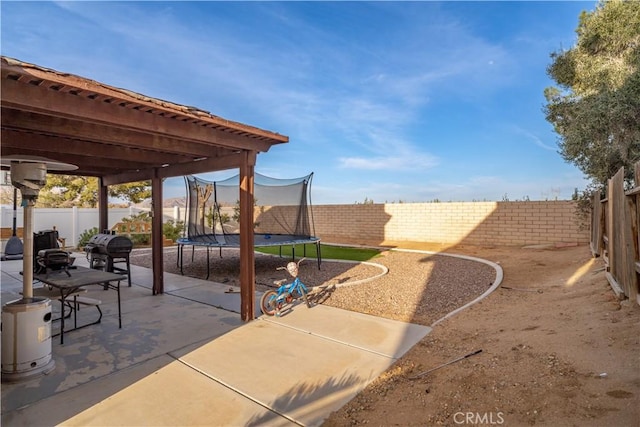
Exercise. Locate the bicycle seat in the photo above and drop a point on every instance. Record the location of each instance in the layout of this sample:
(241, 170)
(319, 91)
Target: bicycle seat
(279, 282)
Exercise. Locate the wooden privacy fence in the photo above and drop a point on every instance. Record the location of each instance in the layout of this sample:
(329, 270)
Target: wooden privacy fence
(614, 234)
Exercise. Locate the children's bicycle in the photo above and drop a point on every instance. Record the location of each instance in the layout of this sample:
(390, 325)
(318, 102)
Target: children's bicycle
(273, 301)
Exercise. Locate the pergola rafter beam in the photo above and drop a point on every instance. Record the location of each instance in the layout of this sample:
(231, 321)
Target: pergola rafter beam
(68, 105)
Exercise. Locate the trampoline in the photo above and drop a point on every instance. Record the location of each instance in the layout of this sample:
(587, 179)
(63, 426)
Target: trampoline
(282, 215)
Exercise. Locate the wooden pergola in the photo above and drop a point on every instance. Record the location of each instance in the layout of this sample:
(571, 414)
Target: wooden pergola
(121, 136)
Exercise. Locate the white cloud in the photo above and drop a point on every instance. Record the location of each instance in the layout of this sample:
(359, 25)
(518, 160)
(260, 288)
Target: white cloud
(535, 139)
(405, 162)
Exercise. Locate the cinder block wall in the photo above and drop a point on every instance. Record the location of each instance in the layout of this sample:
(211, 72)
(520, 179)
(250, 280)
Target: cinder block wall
(473, 223)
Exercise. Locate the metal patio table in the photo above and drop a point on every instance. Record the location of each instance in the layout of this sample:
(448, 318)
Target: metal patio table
(77, 278)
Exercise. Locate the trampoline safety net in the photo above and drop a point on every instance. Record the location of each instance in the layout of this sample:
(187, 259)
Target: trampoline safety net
(282, 211)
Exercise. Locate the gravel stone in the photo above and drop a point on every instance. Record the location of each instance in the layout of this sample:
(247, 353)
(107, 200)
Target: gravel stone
(418, 288)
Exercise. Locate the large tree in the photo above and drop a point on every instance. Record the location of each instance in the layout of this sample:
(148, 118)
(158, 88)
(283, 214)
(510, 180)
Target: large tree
(595, 109)
(64, 191)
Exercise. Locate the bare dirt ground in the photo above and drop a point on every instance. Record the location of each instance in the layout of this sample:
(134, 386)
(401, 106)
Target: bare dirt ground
(558, 349)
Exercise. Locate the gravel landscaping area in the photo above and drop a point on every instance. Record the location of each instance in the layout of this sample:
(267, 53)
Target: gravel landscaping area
(419, 288)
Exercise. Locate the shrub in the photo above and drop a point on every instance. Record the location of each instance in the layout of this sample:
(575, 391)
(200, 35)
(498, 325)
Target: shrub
(86, 235)
(172, 229)
(140, 239)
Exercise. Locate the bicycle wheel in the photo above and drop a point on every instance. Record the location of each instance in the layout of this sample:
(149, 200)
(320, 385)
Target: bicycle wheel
(269, 303)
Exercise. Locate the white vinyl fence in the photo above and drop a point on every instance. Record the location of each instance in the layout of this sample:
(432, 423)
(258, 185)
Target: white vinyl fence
(72, 222)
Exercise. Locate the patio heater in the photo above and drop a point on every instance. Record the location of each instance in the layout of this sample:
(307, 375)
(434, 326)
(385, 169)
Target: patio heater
(13, 249)
(26, 322)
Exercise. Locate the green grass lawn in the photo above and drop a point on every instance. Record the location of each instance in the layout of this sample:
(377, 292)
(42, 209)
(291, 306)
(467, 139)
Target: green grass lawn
(327, 252)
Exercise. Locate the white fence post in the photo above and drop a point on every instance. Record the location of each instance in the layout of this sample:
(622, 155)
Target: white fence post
(75, 225)
(3, 220)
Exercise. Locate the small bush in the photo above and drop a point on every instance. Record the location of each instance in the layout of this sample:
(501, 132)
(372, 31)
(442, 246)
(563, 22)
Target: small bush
(86, 235)
(140, 239)
(172, 229)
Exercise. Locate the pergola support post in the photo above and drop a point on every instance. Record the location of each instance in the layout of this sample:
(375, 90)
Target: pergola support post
(157, 239)
(103, 206)
(247, 255)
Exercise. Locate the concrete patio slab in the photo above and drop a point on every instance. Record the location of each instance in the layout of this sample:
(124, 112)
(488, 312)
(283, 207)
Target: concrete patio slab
(386, 337)
(296, 374)
(186, 358)
(175, 395)
(216, 296)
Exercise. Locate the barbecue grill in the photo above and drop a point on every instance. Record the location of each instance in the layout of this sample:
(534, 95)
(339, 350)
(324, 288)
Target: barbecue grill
(48, 255)
(105, 250)
(53, 259)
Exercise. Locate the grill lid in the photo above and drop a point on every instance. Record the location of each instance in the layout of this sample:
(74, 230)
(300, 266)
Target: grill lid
(109, 244)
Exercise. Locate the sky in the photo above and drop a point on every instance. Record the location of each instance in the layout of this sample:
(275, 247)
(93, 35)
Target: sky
(383, 101)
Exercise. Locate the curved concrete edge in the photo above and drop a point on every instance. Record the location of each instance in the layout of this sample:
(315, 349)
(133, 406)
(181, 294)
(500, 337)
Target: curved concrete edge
(496, 283)
(384, 270)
